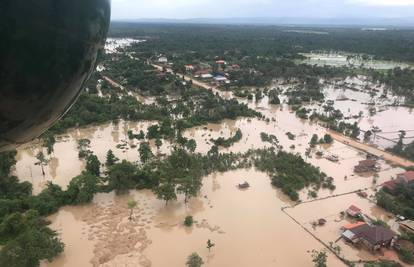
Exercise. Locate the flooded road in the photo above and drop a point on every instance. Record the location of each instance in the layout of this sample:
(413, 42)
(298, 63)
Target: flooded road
(350, 60)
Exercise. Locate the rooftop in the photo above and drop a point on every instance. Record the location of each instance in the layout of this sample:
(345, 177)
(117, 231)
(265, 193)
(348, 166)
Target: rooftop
(354, 208)
(367, 163)
(408, 176)
(373, 234)
(353, 225)
(378, 234)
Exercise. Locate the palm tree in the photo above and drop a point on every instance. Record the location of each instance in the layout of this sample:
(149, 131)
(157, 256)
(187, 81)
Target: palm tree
(42, 161)
(210, 245)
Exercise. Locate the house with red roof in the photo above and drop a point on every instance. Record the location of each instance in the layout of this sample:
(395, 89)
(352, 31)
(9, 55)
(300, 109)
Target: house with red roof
(406, 177)
(403, 179)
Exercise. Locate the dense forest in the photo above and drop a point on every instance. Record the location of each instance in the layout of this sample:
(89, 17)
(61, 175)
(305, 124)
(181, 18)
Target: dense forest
(205, 40)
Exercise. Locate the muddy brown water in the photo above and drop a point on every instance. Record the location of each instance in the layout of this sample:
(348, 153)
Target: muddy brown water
(64, 162)
(248, 227)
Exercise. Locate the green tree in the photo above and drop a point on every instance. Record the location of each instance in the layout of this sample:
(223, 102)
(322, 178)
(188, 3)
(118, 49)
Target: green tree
(327, 139)
(110, 158)
(122, 177)
(93, 165)
(42, 161)
(83, 148)
(166, 192)
(145, 152)
(32, 243)
(188, 221)
(319, 258)
(82, 188)
(7, 161)
(194, 260)
(49, 142)
(191, 145)
(189, 186)
(314, 140)
(158, 143)
(274, 97)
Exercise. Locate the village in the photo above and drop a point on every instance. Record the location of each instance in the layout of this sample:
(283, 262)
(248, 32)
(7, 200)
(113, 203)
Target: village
(343, 195)
(354, 227)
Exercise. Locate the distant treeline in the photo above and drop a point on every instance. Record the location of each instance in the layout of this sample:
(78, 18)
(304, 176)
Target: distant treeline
(268, 40)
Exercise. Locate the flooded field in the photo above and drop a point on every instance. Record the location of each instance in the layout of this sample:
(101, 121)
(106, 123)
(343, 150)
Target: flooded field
(97, 230)
(349, 60)
(370, 106)
(247, 227)
(64, 162)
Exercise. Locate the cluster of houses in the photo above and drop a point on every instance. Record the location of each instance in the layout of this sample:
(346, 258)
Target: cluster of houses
(206, 73)
(219, 77)
(365, 233)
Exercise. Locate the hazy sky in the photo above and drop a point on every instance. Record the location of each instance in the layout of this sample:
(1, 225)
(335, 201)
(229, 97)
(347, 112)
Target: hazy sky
(179, 9)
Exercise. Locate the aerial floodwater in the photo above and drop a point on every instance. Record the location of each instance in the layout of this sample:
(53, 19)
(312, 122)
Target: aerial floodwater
(292, 148)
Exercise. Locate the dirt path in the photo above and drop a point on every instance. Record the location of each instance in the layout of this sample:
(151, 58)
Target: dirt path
(113, 83)
(395, 160)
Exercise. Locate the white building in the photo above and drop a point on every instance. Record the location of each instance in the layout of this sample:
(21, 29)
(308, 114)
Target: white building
(206, 76)
(163, 60)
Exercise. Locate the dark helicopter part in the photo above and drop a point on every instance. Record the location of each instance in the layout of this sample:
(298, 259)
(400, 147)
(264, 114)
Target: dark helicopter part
(48, 48)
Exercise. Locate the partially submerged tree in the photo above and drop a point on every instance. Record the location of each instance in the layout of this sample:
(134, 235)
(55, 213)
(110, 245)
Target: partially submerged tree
(131, 206)
(110, 158)
(210, 245)
(166, 192)
(189, 186)
(93, 165)
(145, 152)
(188, 221)
(42, 161)
(194, 260)
(158, 144)
(82, 188)
(319, 258)
(121, 177)
(83, 148)
(49, 142)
